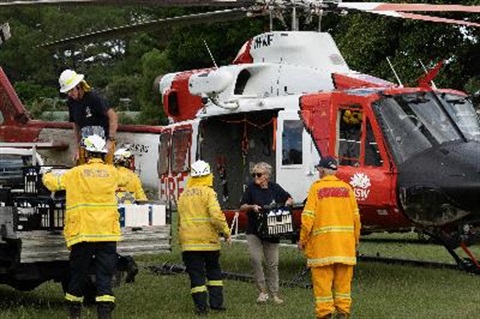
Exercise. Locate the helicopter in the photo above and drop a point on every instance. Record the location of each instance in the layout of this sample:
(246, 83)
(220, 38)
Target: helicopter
(411, 154)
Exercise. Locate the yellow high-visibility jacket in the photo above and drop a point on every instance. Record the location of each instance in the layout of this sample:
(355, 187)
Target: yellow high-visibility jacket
(200, 219)
(130, 182)
(330, 223)
(91, 213)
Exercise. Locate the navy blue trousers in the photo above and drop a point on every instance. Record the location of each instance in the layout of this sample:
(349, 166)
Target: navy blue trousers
(105, 262)
(205, 273)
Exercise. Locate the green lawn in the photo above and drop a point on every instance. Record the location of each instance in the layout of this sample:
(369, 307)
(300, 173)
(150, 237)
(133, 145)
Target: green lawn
(379, 291)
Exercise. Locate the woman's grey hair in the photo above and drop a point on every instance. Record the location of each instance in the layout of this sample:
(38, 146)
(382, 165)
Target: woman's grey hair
(263, 167)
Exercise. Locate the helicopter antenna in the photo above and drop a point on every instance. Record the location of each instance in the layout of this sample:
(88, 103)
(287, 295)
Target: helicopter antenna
(210, 53)
(270, 15)
(320, 15)
(294, 17)
(394, 72)
(426, 72)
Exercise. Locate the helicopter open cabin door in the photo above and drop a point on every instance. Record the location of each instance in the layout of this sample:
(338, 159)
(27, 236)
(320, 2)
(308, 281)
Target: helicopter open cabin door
(296, 156)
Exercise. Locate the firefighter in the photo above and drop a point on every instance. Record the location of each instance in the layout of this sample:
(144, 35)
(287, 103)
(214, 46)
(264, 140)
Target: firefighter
(131, 183)
(89, 113)
(129, 190)
(92, 228)
(329, 238)
(200, 223)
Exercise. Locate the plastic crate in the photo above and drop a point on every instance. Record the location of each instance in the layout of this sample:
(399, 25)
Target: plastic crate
(33, 180)
(38, 213)
(276, 222)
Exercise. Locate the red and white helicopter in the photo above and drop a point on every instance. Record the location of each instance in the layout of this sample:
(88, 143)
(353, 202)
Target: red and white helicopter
(412, 154)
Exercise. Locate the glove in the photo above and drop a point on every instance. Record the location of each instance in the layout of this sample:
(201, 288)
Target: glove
(45, 169)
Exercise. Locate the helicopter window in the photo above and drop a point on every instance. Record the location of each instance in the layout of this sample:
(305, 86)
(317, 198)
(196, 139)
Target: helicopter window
(292, 142)
(181, 151)
(463, 113)
(401, 129)
(372, 155)
(430, 118)
(163, 154)
(242, 80)
(350, 132)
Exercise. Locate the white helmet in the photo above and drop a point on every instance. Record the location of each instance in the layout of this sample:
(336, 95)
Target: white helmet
(200, 168)
(68, 80)
(123, 156)
(95, 144)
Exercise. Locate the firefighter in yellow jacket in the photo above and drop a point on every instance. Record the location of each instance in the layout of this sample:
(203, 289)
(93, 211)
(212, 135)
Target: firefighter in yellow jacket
(200, 223)
(131, 183)
(91, 225)
(329, 238)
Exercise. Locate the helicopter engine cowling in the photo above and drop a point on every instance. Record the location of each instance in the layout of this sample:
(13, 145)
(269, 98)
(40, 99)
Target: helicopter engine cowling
(442, 185)
(210, 83)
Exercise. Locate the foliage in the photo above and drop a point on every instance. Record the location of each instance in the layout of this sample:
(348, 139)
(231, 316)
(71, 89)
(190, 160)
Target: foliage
(124, 67)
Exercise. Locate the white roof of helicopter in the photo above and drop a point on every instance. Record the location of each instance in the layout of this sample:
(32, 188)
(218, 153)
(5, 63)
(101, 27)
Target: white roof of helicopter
(310, 49)
(284, 64)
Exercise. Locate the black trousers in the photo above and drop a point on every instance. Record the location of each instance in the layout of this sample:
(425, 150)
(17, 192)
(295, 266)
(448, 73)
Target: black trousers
(105, 254)
(205, 273)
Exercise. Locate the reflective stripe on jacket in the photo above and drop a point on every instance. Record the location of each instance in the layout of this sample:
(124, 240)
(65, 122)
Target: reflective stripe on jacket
(91, 213)
(130, 182)
(200, 219)
(330, 223)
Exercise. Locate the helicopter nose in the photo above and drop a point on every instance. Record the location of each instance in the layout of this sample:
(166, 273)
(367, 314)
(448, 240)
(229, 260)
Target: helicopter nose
(442, 184)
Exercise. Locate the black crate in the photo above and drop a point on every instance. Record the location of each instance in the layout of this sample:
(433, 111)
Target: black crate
(6, 198)
(32, 180)
(275, 223)
(38, 213)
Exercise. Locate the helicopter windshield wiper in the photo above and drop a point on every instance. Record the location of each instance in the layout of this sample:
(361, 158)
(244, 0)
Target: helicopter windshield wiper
(418, 100)
(457, 101)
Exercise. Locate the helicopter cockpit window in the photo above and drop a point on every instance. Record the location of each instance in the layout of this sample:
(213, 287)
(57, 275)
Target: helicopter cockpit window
(429, 117)
(163, 154)
(292, 142)
(463, 113)
(350, 133)
(401, 128)
(181, 151)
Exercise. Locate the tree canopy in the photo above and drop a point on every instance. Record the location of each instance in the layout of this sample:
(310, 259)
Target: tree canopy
(125, 67)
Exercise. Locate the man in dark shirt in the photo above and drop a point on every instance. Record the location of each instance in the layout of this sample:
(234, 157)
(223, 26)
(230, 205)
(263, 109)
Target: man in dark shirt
(89, 113)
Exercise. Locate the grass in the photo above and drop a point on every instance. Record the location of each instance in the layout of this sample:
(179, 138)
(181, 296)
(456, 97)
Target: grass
(379, 291)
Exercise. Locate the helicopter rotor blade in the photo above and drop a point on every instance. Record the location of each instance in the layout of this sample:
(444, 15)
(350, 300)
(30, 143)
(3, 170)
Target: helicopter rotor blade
(423, 17)
(158, 3)
(207, 17)
(375, 7)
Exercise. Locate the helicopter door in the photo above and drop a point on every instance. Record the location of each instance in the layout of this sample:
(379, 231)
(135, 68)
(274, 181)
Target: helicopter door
(364, 165)
(173, 161)
(296, 156)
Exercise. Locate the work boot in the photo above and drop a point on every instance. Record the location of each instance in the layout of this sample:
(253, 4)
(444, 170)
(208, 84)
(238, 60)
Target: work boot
(104, 310)
(201, 312)
(75, 310)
